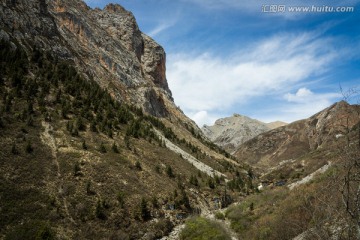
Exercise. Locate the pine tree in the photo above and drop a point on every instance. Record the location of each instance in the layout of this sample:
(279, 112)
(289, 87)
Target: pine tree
(80, 124)
(30, 121)
(1, 79)
(14, 150)
(169, 171)
(157, 169)
(154, 202)
(115, 148)
(77, 169)
(127, 142)
(84, 146)
(211, 183)
(29, 148)
(100, 211)
(194, 181)
(144, 211)
(121, 199)
(2, 125)
(93, 126)
(102, 148)
(138, 166)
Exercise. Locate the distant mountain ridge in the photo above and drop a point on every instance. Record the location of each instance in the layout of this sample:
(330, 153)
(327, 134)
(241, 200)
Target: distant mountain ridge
(231, 132)
(300, 137)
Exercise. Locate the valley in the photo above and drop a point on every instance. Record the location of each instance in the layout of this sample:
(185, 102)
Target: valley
(93, 145)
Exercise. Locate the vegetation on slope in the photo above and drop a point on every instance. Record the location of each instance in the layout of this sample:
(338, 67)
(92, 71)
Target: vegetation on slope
(315, 210)
(203, 229)
(79, 164)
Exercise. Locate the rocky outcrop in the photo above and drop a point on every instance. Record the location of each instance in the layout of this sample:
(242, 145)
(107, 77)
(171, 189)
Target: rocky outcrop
(231, 132)
(105, 45)
(294, 140)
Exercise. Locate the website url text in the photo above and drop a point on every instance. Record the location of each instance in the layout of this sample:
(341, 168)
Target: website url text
(305, 9)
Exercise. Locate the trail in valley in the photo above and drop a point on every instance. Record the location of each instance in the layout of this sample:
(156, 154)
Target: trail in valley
(50, 141)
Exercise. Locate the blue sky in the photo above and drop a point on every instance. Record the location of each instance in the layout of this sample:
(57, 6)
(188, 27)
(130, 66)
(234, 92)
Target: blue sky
(233, 56)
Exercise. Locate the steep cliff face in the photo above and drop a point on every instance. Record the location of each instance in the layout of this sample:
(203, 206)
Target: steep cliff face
(105, 45)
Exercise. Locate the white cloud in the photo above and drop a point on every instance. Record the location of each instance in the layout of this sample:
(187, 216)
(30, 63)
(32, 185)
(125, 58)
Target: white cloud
(210, 84)
(303, 94)
(299, 105)
(203, 117)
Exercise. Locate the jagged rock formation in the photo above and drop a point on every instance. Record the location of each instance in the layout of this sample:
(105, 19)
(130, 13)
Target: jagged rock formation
(231, 132)
(105, 45)
(300, 137)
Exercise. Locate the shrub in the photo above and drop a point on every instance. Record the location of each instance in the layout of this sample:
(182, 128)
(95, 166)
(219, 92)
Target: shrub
(121, 199)
(102, 148)
(114, 148)
(138, 165)
(203, 229)
(169, 171)
(29, 148)
(84, 146)
(144, 211)
(14, 150)
(219, 215)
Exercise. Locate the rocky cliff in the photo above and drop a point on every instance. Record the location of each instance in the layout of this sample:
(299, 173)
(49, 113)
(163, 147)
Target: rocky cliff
(105, 45)
(231, 132)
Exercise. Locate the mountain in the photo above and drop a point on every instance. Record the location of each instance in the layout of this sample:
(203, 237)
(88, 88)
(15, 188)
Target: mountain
(104, 45)
(306, 176)
(93, 146)
(229, 133)
(299, 138)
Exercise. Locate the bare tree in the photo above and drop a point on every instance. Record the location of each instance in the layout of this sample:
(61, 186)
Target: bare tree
(350, 189)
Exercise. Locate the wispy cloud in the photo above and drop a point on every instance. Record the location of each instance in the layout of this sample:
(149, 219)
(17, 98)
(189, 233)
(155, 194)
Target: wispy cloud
(206, 85)
(158, 29)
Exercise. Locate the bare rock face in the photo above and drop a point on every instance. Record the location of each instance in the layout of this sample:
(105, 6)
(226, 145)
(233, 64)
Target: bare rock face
(105, 45)
(301, 137)
(231, 132)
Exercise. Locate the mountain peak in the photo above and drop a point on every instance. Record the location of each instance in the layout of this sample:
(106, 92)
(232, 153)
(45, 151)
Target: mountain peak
(230, 132)
(115, 8)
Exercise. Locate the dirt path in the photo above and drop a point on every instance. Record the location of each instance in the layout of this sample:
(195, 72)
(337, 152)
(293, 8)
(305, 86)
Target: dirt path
(50, 141)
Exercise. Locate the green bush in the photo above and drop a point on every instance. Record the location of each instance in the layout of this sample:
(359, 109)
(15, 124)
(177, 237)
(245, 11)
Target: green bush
(203, 229)
(219, 215)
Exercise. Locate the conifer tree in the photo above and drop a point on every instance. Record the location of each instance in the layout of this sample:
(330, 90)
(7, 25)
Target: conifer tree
(84, 146)
(29, 148)
(114, 147)
(144, 211)
(102, 148)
